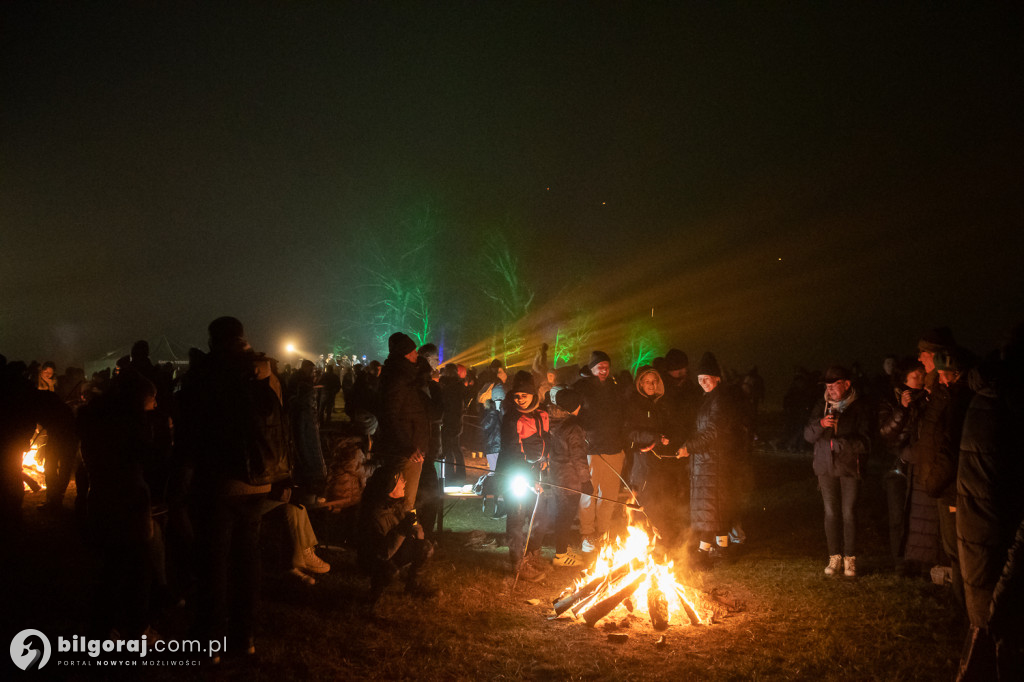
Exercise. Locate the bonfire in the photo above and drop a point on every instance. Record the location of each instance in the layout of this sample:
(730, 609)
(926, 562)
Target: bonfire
(32, 469)
(628, 578)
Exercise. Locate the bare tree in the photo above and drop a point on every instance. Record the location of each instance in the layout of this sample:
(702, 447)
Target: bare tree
(572, 338)
(402, 284)
(643, 344)
(507, 289)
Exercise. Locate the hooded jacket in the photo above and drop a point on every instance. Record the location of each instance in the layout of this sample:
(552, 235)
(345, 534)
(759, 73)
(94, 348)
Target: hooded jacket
(524, 436)
(648, 418)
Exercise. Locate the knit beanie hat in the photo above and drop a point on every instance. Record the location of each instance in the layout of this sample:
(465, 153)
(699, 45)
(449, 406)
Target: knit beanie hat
(676, 359)
(708, 365)
(597, 357)
(523, 383)
(400, 344)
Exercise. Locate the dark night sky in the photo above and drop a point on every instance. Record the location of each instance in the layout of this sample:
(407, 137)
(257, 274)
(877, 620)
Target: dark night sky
(161, 167)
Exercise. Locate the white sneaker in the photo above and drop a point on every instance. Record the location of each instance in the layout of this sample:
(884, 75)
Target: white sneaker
(311, 562)
(835, 562)
(591, 543)
(850, 566)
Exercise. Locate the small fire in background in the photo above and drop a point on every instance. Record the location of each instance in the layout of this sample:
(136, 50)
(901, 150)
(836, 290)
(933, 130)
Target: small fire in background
(628, 580)
(32, 467)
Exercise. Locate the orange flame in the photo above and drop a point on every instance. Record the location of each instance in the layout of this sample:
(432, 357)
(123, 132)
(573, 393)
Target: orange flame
(31, 465)
(636, 548)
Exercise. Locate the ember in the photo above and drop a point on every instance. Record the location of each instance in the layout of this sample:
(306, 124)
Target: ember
(628, 578)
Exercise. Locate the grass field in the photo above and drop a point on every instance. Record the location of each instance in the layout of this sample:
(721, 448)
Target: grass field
(788, 621)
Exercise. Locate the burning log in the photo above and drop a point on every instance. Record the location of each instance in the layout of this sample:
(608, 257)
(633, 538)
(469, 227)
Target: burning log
(594, 587)
(688, 609)
(605, 606)
(629, 577)
(657, 607)
(30, 482)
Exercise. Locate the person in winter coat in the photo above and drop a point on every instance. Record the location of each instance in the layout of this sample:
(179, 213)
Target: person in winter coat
(937, 461)
(654, 475)
(429, 495)
(840, 431)
(568, 468)
(990, 517)
(390, 536)
(682, 396)
(221, 435)
(715, 448)
(491, 396)
(601, 416)
(115, 441)
(898, 413)
(405, 425)
(310, 472)
(453, 401)
(524, 454)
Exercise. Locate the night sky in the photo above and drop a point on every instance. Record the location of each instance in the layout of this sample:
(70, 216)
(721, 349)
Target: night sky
(162, 167)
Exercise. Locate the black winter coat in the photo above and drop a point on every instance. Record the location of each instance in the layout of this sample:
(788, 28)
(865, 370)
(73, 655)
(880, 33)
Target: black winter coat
(601, 414)
(939, 470)
(897, 424)
(568, 461)
(647, 420)
(844, 452)
(714, 449)
(405, 423)
(990, 476)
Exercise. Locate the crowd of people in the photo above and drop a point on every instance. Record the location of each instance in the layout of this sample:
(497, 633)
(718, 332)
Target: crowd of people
(174, 470)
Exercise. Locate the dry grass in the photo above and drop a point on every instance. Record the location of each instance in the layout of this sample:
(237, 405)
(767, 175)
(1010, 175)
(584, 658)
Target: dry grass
(793, 622)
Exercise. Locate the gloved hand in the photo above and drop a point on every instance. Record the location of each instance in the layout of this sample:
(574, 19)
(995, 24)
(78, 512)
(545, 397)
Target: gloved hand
(587, 488)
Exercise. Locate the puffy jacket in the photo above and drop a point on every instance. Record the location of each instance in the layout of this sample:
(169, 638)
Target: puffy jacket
(569, 466)
(897, 424)
(990, 475)
(714, 449)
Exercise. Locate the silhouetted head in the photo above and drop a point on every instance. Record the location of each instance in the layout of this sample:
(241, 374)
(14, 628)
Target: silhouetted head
(227, 335)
